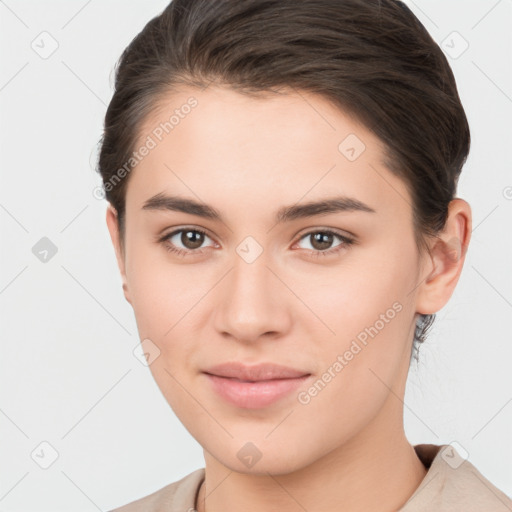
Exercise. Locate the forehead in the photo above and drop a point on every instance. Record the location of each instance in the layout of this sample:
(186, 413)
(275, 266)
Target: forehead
(297, 117)
(272, 148)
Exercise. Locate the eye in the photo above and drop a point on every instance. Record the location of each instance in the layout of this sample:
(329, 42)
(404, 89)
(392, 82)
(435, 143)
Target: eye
(190, 238)
(321, 242)
(193, 238)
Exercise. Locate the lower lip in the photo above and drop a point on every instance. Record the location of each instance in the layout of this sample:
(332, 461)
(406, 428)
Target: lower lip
(254, 395)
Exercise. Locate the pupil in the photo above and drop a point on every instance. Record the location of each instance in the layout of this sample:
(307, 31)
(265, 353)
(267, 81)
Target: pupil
(192, 239)
(323, 239)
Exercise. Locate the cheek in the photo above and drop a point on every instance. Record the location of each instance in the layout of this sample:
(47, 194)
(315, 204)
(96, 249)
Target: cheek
(168, 302)
(357, 374)
(161, 292)
(361, 291)
(369, 311)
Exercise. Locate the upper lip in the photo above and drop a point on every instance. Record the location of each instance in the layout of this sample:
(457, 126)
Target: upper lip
(262, 371)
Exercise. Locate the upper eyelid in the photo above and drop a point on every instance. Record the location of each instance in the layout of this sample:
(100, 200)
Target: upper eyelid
(339, 232)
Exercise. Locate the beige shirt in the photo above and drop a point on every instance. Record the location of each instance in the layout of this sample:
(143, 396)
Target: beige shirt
(451, 484)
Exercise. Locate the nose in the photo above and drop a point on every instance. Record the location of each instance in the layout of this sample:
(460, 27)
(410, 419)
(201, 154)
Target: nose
(253, 302)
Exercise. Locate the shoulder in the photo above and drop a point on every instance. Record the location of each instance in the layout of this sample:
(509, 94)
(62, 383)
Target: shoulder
(179, 495)
(453, 484)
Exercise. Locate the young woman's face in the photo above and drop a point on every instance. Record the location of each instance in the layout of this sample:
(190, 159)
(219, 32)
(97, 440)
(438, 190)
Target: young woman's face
(329, 292)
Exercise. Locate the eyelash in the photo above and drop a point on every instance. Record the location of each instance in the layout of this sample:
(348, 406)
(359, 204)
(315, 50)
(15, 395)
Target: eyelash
(313, 253)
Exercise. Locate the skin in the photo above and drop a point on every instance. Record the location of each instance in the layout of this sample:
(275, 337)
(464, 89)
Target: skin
(247, 157)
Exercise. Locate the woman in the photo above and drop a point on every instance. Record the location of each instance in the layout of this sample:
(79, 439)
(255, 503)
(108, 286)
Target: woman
(281, 177)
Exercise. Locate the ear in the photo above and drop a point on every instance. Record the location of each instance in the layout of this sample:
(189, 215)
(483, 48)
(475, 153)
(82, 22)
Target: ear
(113, 228)
(444, 264)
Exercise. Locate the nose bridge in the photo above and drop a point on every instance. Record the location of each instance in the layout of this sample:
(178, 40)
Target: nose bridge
(250, 275)
(252, 303)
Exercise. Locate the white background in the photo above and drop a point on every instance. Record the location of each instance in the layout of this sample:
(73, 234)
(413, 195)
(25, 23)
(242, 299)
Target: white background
(68, 375)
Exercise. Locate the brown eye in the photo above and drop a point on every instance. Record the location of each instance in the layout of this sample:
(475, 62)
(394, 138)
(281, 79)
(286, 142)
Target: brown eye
(192, 239)
(321, 242)
(185, 241)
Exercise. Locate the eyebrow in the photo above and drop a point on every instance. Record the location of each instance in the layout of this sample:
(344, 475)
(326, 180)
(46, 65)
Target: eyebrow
(284, 214)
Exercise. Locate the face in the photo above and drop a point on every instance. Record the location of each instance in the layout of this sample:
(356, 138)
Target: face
(327, 290)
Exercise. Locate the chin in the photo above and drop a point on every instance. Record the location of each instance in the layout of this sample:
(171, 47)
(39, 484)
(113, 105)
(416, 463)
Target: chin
(260, 457)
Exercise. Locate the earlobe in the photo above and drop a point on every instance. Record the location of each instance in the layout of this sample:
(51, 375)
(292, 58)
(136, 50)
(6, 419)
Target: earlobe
(447, 256)
(113, 228)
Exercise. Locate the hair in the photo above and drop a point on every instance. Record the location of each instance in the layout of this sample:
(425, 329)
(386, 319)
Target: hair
(372, 59)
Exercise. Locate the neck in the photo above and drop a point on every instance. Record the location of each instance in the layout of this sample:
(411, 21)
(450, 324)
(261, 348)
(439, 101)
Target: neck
(368, 474)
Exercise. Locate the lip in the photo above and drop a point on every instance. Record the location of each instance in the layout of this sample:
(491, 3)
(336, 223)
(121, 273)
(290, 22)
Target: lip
(257, 372)
(256, 386)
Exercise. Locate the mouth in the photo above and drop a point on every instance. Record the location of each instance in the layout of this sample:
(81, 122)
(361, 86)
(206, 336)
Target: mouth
(254, 394)
(255, 373)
